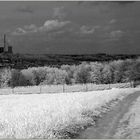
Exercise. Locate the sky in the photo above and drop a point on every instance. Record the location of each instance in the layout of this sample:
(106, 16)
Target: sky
(68, 27)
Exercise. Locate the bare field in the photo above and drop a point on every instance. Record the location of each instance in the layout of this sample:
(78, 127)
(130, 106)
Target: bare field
(53, 115)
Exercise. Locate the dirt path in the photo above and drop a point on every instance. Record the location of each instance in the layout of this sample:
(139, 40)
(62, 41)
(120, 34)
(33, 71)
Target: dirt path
(106, 125)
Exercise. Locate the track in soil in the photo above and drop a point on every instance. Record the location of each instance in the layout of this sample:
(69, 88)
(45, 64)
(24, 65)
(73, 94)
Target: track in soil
(106, 126)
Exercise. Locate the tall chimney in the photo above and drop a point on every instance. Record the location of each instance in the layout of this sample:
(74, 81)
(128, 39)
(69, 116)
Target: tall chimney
(4, 42)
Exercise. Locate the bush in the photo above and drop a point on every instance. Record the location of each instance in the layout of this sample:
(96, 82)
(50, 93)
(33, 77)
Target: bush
(82, 73)
(39, 75)
(96, 73)
(116, 70)
(70, 79)
(99, 73)
(134, 73)
(55, 76)
(106, 74)
(125, 70)
(28, 75)
(5, 77)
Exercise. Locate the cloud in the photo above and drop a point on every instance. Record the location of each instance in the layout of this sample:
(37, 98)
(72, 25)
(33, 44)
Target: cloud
(51, 25)
(87, 29)
(25, 9)
(26, 29)
(115, 35)
(31, 28)
(19, 31)
(59, 13)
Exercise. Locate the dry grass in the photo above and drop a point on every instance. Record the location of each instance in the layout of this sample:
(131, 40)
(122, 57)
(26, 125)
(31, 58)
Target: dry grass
(52, 115)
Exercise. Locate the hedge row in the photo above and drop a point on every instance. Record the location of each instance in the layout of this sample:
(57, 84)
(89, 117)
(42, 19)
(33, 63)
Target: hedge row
(99, 73)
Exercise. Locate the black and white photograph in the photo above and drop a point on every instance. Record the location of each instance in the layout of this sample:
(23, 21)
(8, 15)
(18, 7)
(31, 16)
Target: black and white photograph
(69, 69)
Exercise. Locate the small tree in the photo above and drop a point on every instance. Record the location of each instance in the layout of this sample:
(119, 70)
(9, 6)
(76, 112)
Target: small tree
(115, 67)
(70, 73)
(106, 74)
(82, 73)
(39, 75)
(28, 75)
(134, 73)
(55, 76)
(96, 73)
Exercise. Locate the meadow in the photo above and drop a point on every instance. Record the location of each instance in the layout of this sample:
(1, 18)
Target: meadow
(54, 115)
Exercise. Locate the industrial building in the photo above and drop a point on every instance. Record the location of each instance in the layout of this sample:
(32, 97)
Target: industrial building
(5, 47)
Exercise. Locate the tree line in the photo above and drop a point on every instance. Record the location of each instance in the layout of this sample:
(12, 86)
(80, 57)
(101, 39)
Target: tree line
(118, 71)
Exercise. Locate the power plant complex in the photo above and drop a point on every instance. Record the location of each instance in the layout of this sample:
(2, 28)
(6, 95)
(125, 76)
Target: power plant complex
(5, 47)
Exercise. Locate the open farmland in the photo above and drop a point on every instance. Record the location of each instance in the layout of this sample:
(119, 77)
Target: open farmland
(53, 115)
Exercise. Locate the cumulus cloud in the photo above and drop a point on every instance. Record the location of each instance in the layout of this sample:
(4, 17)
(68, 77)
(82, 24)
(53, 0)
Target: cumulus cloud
(113, 35)
(26, 29)
(19, 31)
(51, 25)
(116, 34)
(48, 26)
(87, 29)
(31, 28)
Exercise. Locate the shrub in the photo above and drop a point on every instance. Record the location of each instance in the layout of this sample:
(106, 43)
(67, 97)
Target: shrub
(106, 74)
(39, 75)
(5, 77)
(55, 76)
(115, 67)
(96, 73)
(99, 73)
(82, 73)
(134, 73)
(125, 70)
(28, 75)
(70, 79)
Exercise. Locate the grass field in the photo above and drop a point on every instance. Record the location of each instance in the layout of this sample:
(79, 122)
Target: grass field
(53, 115)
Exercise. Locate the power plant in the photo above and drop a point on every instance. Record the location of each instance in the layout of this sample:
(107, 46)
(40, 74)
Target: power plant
(5, 47)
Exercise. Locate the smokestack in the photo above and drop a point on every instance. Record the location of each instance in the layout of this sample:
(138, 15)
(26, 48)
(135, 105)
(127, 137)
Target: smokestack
(4, 42)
